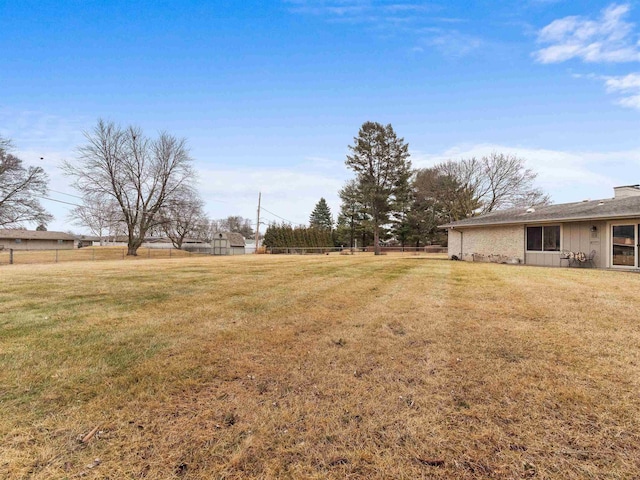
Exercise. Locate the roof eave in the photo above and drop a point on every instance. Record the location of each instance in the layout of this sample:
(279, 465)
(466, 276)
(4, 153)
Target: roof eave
(544, 220)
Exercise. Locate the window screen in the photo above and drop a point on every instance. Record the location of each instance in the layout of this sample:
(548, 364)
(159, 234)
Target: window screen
(551, 238)
(543, 239)
(534, 239)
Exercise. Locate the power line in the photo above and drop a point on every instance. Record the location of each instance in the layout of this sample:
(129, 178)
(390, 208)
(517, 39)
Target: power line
(281, 218)
(220, 201)
(59, 201)
(67, 194)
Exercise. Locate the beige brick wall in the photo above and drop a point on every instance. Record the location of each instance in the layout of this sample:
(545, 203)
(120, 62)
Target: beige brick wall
(497, 244)
(453, 242)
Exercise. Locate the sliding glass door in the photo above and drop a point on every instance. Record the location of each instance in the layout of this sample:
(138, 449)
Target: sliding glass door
(624, 244)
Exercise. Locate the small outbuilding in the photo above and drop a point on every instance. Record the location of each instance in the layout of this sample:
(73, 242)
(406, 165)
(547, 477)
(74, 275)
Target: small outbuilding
(227, 243)
(19, 239)
(600, 233)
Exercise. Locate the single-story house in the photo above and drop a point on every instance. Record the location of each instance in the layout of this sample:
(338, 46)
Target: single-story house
(20, 239)
(151, 242)
(608, 231)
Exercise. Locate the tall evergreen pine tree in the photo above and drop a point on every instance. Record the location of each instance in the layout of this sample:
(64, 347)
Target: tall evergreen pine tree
(321, 216)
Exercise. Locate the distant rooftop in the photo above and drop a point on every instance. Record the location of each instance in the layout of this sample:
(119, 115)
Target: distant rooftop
(20, 233)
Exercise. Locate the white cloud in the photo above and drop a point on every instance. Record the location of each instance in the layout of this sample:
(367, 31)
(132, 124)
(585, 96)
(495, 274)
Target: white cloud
(626, 83)
(289, 193)
(416, 22)
(630, 102)
(453, 43)
(627, 87)
(608, 39)
(39, 129)
(356, 9)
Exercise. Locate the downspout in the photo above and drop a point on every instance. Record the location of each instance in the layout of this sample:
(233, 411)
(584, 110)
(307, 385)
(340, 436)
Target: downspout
(461, 245)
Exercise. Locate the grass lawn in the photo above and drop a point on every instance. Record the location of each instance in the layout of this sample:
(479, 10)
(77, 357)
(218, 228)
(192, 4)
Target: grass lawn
(332, 366)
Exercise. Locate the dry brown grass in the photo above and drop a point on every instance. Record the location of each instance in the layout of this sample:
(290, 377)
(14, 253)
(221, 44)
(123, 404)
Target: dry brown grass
(318, 367)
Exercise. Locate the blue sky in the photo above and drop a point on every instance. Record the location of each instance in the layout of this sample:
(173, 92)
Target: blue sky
(270, 94)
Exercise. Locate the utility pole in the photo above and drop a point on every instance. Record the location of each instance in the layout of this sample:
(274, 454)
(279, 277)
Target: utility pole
(258, 222)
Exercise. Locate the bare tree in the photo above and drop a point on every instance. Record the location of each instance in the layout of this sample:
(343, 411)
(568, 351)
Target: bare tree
(141, 174)
(20, 188)
(234, 223)
(494, 182)
(182, 217)
(101, 214)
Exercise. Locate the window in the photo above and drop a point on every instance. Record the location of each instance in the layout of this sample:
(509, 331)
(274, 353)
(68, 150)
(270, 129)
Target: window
(543, 239)
(551, 238)
(534, 239)
(60, 242)
(624, 245)
(18, 240)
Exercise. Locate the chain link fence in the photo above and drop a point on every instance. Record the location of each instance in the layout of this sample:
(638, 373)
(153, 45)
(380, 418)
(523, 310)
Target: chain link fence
(23, 257)
(427, 250)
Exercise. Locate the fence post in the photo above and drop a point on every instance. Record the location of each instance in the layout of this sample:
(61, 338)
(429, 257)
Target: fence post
(56, 255)
(11, 256)
(148, 252)
(170, 252)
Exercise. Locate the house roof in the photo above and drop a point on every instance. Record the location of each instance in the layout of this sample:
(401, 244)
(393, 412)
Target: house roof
(610, 208)
(18, 233)
(235, 239)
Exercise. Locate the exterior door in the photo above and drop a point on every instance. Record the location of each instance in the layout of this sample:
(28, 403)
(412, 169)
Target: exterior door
(624, 245)
(220, 246)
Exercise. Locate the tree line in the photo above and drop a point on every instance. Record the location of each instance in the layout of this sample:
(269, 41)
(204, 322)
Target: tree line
(135, 185)
(285, 235)
(389, 201)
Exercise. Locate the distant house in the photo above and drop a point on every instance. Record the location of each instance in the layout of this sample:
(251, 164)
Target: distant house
(607, 231)
(19, 239)
(152, 242)
(249, 246)
(116, 241)
(228, 243)
(86, 241)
